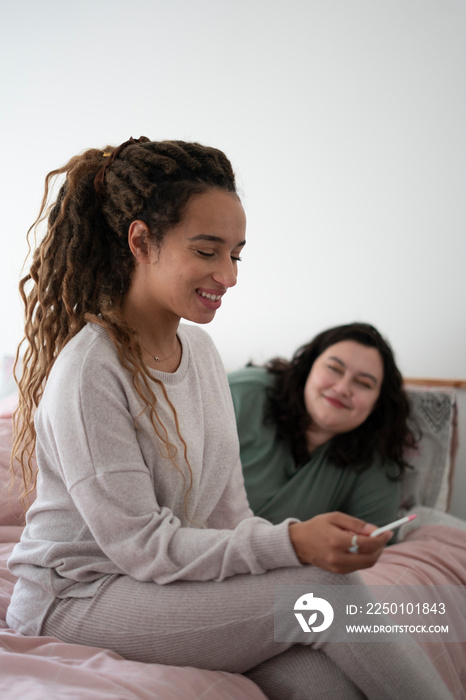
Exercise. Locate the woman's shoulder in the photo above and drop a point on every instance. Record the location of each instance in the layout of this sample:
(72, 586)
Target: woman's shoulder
(91, 343)
(87, 367)
(201, 349)
(90, 353)
(250, 376)
(249, 385)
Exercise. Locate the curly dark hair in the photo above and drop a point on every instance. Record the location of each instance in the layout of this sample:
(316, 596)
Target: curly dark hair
(83, 266)
(387, 431)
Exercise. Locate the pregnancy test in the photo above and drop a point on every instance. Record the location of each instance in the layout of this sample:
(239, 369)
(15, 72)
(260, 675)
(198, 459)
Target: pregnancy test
(392, 526)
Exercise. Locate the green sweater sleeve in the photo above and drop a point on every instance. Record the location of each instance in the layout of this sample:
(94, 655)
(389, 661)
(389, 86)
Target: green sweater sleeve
(266, 461)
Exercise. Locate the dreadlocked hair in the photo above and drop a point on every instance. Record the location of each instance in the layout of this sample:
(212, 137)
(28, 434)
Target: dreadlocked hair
(83, 266)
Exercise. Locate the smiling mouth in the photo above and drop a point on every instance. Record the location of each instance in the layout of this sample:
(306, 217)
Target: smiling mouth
(335, 402)
(211, 297)
(210, 300)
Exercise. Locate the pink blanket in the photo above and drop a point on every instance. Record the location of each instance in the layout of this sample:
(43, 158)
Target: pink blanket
(433, 554)
(42, 668)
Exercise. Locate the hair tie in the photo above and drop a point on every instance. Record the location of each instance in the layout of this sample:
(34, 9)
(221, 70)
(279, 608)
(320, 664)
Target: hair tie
(99, 180)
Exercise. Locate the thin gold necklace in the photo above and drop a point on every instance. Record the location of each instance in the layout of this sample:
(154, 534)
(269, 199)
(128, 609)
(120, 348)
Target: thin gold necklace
(163, 359)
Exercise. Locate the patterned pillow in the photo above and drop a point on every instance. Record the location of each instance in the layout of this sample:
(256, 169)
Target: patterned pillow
(430, 481)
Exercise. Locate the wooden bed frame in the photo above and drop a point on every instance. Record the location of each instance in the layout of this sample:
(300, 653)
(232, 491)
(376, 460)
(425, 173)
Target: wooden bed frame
(454, 383)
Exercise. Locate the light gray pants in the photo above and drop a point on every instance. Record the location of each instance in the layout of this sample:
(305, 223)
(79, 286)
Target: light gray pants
(229, 626)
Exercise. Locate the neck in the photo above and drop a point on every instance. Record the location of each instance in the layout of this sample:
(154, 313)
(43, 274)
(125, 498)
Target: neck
(157, 331)
(157, 335)
(315, 438)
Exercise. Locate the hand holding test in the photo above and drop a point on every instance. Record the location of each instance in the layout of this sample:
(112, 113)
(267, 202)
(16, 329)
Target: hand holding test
(393, 525)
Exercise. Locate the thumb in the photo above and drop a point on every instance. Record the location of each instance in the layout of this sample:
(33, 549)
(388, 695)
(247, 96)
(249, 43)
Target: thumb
(367, 529)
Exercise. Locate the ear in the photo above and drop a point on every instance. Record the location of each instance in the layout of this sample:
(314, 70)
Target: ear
(139, 241)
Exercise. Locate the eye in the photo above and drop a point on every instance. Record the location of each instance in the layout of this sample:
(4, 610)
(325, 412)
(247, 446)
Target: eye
(364, 384)
(335, 368)
(204, 254)
(236, 259)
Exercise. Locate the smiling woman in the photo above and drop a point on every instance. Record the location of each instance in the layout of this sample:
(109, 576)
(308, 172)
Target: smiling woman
(325, 431)
(187, 276)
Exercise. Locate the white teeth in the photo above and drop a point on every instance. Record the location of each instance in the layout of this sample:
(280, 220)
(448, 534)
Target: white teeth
(212, 297)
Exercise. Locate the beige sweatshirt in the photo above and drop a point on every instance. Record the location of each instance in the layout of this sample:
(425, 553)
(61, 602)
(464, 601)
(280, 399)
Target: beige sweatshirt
(109, 501)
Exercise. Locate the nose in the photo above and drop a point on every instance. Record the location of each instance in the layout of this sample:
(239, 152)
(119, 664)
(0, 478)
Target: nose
(226, 273)
(343, 386)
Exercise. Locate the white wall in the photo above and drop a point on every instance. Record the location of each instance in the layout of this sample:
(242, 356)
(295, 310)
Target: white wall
(343, 118)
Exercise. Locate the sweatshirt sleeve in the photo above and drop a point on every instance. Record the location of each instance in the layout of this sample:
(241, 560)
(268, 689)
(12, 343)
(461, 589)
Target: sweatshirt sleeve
(148, 542)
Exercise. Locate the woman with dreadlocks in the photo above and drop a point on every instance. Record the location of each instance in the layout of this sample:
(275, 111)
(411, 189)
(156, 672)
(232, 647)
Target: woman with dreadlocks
(141, 539)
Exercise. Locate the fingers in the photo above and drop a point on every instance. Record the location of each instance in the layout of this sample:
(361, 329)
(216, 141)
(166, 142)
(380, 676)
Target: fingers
(350, 526)
(345, 562)
(344, 539)
(326, 539)
(368, 528)
(348, 522)
(366, 544)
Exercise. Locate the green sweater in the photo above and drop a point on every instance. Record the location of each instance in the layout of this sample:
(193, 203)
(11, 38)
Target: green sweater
(277, 489)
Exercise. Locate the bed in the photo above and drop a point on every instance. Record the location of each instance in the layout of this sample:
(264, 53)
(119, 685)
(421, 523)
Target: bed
(432, 552)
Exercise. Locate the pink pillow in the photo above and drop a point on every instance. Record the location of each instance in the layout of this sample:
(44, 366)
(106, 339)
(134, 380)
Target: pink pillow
(8, 406)
(11, 509)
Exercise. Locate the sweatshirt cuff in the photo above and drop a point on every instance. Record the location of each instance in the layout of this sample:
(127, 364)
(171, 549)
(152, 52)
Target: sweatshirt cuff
(272, 546)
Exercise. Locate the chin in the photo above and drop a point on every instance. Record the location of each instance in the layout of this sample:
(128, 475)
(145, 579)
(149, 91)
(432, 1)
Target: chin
(201, 319)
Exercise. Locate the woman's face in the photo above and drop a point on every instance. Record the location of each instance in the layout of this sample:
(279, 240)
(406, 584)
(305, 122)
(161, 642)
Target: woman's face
(342, 388)
(197, 262)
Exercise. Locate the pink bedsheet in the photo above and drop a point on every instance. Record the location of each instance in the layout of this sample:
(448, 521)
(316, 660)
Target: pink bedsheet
(433, 554)
(43, 668)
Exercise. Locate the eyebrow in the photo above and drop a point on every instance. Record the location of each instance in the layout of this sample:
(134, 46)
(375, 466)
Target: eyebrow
(214, 239)
(359, 374)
